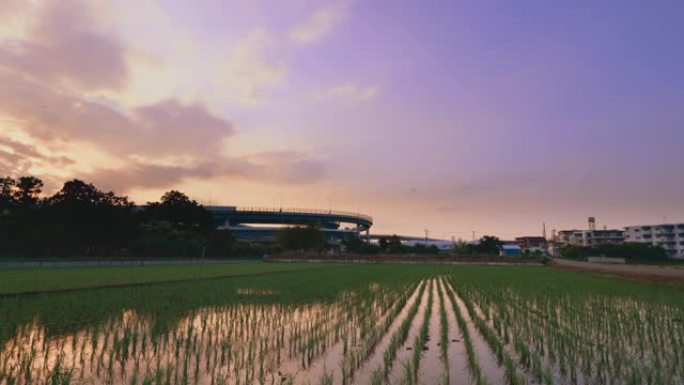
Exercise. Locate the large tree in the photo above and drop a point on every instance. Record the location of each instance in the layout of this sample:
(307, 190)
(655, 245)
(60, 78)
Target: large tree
(88, 221)
(7, 199)
(27, 190)
(489, 245)
(181, 212)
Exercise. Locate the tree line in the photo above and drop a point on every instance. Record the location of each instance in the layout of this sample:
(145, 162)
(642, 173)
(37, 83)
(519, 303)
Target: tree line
(635, 252)
(80, 220)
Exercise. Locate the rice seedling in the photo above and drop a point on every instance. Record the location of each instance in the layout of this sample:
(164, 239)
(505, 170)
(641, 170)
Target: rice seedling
(315, 327)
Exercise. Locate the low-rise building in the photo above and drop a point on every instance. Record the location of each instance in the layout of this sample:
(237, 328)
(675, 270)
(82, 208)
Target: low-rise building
(510, 250)
(669, 236)
(530, 242)
(590, 238)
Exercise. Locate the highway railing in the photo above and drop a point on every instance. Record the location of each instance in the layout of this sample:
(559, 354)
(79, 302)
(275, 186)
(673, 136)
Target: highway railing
(294, 210)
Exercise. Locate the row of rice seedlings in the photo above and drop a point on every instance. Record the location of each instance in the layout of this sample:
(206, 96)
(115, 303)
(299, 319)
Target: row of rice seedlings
(495, 344)
(116, 346)
(525, 322)
(595, 353)
(591, 343)
(471, 357)
(398, 339)
(382, 310)
(373, 364)
(527, 357)
(443, 334)
(411, 368)
(372, 333)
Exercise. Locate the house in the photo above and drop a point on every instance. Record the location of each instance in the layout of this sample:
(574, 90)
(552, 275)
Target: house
(509, 250)
(530, 241)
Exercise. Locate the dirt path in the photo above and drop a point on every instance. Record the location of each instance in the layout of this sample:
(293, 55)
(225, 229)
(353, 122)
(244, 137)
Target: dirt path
(643, 272)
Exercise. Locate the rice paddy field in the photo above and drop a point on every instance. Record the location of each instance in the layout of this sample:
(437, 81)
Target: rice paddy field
(342, 324)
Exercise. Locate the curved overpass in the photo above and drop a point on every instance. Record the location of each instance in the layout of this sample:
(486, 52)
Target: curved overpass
(253, 222)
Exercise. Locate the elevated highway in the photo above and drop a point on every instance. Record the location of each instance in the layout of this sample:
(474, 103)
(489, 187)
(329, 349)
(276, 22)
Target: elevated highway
(261, 223)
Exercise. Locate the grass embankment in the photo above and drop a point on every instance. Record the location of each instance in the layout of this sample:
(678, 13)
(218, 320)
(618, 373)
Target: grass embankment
(31, 280)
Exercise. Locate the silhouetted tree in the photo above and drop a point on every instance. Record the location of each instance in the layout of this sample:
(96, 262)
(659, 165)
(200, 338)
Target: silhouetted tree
(489, 245)
(81, 220)
(300, 238)
(7, 199)
(355, 244)
(181, 212)
(383, 244)
(87, 221)
(28, 189)
(394, 245)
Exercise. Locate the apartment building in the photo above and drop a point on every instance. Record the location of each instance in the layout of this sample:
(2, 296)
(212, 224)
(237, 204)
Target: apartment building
(667, 235)
(590, 237)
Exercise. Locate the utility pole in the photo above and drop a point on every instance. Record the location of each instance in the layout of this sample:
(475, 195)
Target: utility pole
(426, 237)
(544, 231)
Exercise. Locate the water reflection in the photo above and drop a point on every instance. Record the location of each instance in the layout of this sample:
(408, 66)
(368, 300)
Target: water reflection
(242, 343)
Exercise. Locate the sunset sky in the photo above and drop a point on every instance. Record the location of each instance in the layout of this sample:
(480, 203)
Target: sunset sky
(455, 116)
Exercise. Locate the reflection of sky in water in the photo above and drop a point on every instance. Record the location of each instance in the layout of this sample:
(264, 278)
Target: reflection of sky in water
(250, 343)
(207, 346)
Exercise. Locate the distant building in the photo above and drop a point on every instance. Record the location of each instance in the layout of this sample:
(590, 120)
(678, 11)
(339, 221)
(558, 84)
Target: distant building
(668, 236)
(590, 237)
(442, 245)
(510, 250)
(530, 242)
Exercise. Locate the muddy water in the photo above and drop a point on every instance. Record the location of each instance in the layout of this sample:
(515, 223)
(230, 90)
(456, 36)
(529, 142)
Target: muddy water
(458, 365)
(375, 361)
(405, 352)
(329, 364)
(237, 344)
(508, 348)
(431, 370)
(494, 373)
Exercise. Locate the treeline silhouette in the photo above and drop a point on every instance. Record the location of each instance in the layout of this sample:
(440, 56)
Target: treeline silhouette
(81, 221)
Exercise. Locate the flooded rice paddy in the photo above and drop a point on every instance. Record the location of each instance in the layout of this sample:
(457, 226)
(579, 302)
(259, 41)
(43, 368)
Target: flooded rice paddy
(432, 329)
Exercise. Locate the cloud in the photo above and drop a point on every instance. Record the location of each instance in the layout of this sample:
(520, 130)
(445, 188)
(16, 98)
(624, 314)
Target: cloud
(17, 158)
(247, 72)
(285, 167)
(170, 126)
(319, 24)
(63, 46)
(161, 128)
(349, 92)
(63, 79)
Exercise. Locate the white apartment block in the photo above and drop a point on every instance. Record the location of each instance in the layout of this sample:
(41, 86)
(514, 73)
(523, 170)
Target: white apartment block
(590, 237)
(668, 236)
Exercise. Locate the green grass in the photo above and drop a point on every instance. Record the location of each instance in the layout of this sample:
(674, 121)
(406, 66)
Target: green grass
(21, 280)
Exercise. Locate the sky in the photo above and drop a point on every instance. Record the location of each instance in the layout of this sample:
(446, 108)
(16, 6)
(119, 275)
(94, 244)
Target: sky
(452, 116)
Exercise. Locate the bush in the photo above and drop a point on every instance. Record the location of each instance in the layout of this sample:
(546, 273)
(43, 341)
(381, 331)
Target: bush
(628, 251)
(300, 238)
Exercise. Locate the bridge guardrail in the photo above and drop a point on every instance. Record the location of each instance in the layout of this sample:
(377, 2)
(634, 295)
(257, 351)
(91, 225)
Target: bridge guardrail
(291, 210)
